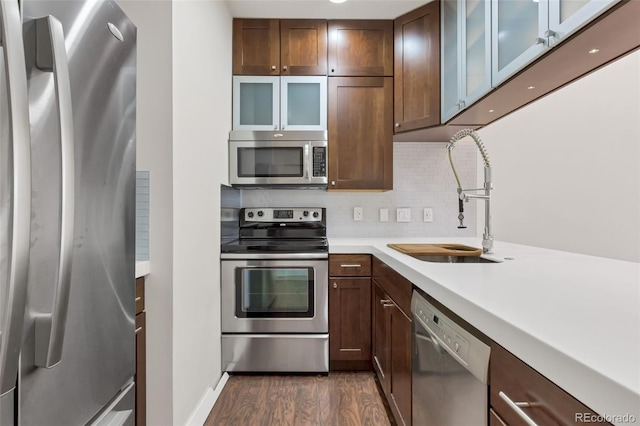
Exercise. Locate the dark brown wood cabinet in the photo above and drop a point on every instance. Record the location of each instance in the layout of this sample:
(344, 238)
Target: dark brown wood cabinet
(350, 312)
(360, 133)
(279, 47)
(360, 48)
(392, 345)
(511, 378)
(140, 377)
(417, 68)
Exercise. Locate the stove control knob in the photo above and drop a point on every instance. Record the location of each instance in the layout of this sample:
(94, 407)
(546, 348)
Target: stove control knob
(305, 213)
(250, 214)
(260, 214)
(316, 214)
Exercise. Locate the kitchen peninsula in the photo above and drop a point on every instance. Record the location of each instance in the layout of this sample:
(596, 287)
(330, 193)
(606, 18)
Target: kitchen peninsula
(568, 316)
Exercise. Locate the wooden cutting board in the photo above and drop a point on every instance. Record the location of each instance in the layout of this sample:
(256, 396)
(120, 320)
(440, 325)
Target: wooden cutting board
(436, 249)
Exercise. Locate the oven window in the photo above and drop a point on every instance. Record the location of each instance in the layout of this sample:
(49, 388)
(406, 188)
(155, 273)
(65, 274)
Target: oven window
(270, 162)
(274, 292)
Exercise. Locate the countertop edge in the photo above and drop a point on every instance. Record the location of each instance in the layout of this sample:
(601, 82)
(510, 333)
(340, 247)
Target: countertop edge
(143, 268)
(586, 383)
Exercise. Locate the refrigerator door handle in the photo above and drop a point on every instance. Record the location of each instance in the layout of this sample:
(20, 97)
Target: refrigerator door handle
(19, 224)
(51, 55)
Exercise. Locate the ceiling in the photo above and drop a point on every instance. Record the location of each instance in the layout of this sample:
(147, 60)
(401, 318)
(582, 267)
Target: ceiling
(322, 9)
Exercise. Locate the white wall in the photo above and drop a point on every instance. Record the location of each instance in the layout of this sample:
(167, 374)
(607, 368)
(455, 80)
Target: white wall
(183, 119)
(202, 32)
(154, 153)
(566, 169)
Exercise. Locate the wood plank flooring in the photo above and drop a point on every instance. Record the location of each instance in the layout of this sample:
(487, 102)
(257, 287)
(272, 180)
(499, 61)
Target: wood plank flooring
(340, 399)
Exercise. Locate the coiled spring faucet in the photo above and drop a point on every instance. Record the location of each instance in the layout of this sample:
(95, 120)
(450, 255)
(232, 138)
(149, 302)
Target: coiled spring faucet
(464, 196)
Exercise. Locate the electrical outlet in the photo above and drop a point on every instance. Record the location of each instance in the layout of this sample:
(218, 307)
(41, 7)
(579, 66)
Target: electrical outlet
(428, 214)
(357, 213)
(403, 215)
(384, 215)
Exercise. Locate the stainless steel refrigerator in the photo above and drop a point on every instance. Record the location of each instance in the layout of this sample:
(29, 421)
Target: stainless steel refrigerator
(67, 213)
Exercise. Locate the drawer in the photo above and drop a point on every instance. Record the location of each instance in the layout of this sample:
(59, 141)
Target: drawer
(550, 405)
(350, 265)
(139, 295)
(394, 284)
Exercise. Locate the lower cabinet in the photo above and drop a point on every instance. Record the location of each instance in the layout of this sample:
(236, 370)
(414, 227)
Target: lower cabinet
(392, 344)
(141, 355)
(350, 312)
(534, 396)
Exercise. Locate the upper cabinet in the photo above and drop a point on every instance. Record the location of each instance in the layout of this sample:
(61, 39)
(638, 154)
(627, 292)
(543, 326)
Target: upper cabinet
(360, 133)
(279, 103)
(279, 47)
(466, 54)
(417, 69)
(524, 30)
(360, 48)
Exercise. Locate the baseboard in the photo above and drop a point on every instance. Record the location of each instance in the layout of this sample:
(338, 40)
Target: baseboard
(207, 402)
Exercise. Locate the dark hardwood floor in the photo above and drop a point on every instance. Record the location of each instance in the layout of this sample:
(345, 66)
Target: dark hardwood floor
(341, 398)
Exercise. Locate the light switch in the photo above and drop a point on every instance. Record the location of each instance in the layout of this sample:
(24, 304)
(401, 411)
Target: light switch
(403, 215)
(384, 215)
(428, 214)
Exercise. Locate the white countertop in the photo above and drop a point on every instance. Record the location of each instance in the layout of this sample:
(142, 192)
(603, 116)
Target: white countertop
(142, 268)
(574, 318)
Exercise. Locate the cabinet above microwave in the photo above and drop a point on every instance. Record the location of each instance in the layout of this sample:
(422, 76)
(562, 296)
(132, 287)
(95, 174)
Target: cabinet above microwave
(279, 103)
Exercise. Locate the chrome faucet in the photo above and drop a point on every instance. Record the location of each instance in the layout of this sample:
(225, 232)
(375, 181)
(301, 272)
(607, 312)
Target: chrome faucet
(464, 196)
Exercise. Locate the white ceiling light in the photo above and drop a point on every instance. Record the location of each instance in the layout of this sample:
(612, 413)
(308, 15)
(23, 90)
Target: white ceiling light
(337, 1)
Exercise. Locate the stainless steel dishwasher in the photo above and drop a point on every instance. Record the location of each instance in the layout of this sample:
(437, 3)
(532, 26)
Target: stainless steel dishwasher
(450, 370)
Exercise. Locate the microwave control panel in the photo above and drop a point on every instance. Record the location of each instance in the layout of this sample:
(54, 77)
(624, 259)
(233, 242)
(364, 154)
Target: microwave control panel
(319, 161)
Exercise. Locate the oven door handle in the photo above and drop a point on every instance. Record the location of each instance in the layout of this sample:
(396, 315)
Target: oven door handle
(274, 256)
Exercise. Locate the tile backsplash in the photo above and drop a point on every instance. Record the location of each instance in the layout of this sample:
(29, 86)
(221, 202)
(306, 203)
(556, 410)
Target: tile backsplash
(422, 178)
(142, 215)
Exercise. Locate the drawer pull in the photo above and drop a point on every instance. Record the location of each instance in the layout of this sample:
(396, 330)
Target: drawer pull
(384, 301)
(139, 298)
(351, 265)
(388, 305)
(138, 330)
(515, 406)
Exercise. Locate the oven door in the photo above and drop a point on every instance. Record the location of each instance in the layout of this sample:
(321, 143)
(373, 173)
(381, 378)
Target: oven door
(274, 296)
(271, 163)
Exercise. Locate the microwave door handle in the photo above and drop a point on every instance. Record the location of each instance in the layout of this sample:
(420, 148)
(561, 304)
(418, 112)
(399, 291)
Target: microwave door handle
(307, 165)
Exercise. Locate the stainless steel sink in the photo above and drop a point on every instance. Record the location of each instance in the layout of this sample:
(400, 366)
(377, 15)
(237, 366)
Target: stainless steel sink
(454, 259)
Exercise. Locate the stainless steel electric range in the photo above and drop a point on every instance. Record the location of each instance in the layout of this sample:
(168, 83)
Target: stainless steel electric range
(274, 292)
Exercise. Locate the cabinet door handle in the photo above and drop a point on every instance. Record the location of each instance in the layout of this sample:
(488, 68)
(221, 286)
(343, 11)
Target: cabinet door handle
(397, 124)
(333, 182)
(139, 298)
(285, 67)
(540, 40)
(388, 305)
(385, 301)
(351, 265)
(273, 67)
(515, 406)
(335, 285)
(138, 330)
(551, 33)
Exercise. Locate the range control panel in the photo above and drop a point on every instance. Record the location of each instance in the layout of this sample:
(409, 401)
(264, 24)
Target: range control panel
(307, 214)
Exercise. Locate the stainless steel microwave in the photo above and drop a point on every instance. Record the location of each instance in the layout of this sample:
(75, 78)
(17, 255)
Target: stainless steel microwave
(296, 159)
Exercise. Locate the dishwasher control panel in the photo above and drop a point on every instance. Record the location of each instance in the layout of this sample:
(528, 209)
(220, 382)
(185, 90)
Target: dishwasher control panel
(444, 330)
(449, 337)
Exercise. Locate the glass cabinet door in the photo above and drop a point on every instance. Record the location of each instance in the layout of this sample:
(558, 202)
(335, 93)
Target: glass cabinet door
(567, 16)
(518, 35)
(303, 103)
(450, 59)
(476, 52)
(256, 103)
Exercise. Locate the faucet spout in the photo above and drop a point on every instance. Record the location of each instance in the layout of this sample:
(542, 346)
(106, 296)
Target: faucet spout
(464, 195)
